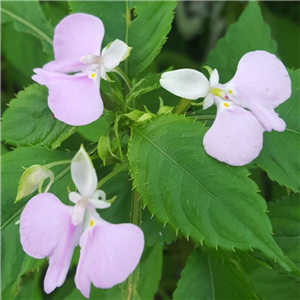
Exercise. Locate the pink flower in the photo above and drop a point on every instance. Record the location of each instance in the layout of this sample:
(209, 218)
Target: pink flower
(245, 104)
(75, 99)
(49, 228)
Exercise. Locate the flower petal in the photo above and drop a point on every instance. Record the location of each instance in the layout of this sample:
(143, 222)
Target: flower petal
(236, 136)
(114, 54)
(46, 230)
(208, 101)
(74, 197)
(74, 100)
(83, 173)
(109, 253)
(214, 78)
(185, 83)
(261, 83)
(75, 36)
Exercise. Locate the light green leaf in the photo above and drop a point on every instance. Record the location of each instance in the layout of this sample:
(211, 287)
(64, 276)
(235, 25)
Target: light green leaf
(29, 121)
(142, 25)
(204, 278)
(285, 218)
(280, 154)
(248, 34)
(202, 198)
(94, 130)
(28, 17)
(14, 261)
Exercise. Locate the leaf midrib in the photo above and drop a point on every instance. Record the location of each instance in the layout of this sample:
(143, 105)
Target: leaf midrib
(40, 33)
(212, 195)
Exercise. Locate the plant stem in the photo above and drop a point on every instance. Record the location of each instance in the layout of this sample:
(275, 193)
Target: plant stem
(57, 163)
(132, 282)
(182, 106)
(124, 76)
(117, 170)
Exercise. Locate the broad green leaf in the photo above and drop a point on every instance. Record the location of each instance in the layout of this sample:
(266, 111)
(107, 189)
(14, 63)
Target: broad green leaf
(209, 201)
(204, 278)
(285, 218)
(21, 63)
(143, 25)
(28, 17)
(29, 121)
(14, 261)
(147, 84)
(280, 154)
(270, 284)
(94, 130)
(248, 34)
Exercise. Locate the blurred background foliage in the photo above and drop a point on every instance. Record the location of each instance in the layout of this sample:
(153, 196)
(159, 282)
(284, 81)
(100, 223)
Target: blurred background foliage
(196, 28)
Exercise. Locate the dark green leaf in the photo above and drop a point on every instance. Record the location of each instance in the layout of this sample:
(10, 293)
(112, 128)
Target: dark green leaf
(203, 278)
(202, 198)
(248, 34)
(28, 17)
(29, 121)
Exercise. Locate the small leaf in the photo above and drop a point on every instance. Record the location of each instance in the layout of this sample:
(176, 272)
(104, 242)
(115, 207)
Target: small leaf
(204, 278)
(29, 121)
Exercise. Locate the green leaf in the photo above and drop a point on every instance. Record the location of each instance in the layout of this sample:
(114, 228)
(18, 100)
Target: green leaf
(29, 121)
(285, 218)
(202, 198)
(270, 284)
(203, 278)
(14, 261)
(147, 84)
(143, 25)
(248, 34)
(282, 163)
(21, 63)
(94, 130)
(28, 17)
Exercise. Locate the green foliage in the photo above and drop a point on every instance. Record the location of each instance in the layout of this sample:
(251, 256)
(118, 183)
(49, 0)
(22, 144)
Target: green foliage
(94, 130)
(128, 24)
(278, 146)
(248, 34)
(14, 261)
(285, 217)
(184, 187)
(28, 17)
(29, 121)
(270, 284)
(204, 278)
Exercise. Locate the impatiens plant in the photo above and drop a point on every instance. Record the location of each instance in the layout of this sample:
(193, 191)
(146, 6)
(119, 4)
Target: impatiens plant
(120, 177)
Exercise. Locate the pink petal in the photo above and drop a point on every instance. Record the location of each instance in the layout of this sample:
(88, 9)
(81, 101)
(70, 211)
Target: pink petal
(109, 253)
(261, 83)
(236, 136)
(75, 99)
(75, 36)
(46, 230)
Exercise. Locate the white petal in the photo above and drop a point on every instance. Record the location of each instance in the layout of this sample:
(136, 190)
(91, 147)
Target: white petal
(114, 54)
(83, 173)
(214, 78)
(99, 193)
(103, 73)
(208, 101)
(90, 59)
(99, 203)
(185, 83)
(75, 197)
